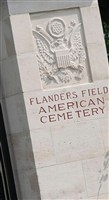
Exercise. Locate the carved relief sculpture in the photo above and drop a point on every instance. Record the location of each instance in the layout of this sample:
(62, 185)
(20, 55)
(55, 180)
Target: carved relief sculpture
(60, 52)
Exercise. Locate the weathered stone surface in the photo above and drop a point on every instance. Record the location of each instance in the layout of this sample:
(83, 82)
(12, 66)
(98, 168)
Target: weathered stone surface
(54, 95)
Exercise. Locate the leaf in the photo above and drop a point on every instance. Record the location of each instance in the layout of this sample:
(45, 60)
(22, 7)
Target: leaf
(105, 177)
(101, 179)
(107, 154)
(99, 191)
(106, 163)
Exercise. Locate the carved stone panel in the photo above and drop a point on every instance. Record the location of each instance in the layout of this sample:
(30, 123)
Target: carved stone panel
(60, 48)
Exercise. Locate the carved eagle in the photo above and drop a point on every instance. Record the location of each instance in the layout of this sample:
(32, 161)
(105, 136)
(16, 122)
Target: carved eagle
(63, 51)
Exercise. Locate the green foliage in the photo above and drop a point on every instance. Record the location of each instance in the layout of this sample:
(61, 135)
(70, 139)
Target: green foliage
(106, 33)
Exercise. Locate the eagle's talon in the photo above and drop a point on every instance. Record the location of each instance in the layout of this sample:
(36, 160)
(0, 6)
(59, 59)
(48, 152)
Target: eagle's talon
(80, 67)
(74, 65)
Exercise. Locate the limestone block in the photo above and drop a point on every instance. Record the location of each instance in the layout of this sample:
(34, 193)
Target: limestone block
(29, 189)
(98, 61)
(92, 25)
(62, 182)
(93, 171)
(3, 50)
(4, 11)
(16, 114)
(8, 36)
(29, 73)
(95, 42)
(35, 6)
(20, 74)
(103, 197)
(54, 83)
(77, 142)
(22, 35)
(104, 123)
(10, 77)
(43, 147)
(21, 147)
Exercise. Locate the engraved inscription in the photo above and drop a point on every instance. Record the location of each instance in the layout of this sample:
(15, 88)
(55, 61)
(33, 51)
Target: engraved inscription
(60, 53)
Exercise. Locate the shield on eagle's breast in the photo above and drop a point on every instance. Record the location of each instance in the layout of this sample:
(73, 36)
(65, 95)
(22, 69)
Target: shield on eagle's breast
(63, 58)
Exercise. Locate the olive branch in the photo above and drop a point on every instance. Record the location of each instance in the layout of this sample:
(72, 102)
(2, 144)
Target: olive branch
(104, 173)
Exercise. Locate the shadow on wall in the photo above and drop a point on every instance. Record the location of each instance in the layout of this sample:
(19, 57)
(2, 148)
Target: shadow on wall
(20, 146)
(17, 130)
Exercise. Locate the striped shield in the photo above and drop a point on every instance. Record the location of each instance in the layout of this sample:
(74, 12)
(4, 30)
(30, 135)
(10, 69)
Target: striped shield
(63, 58)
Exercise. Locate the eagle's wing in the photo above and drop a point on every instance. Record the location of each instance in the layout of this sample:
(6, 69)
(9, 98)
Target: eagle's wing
(75, 45)
(43, 47)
